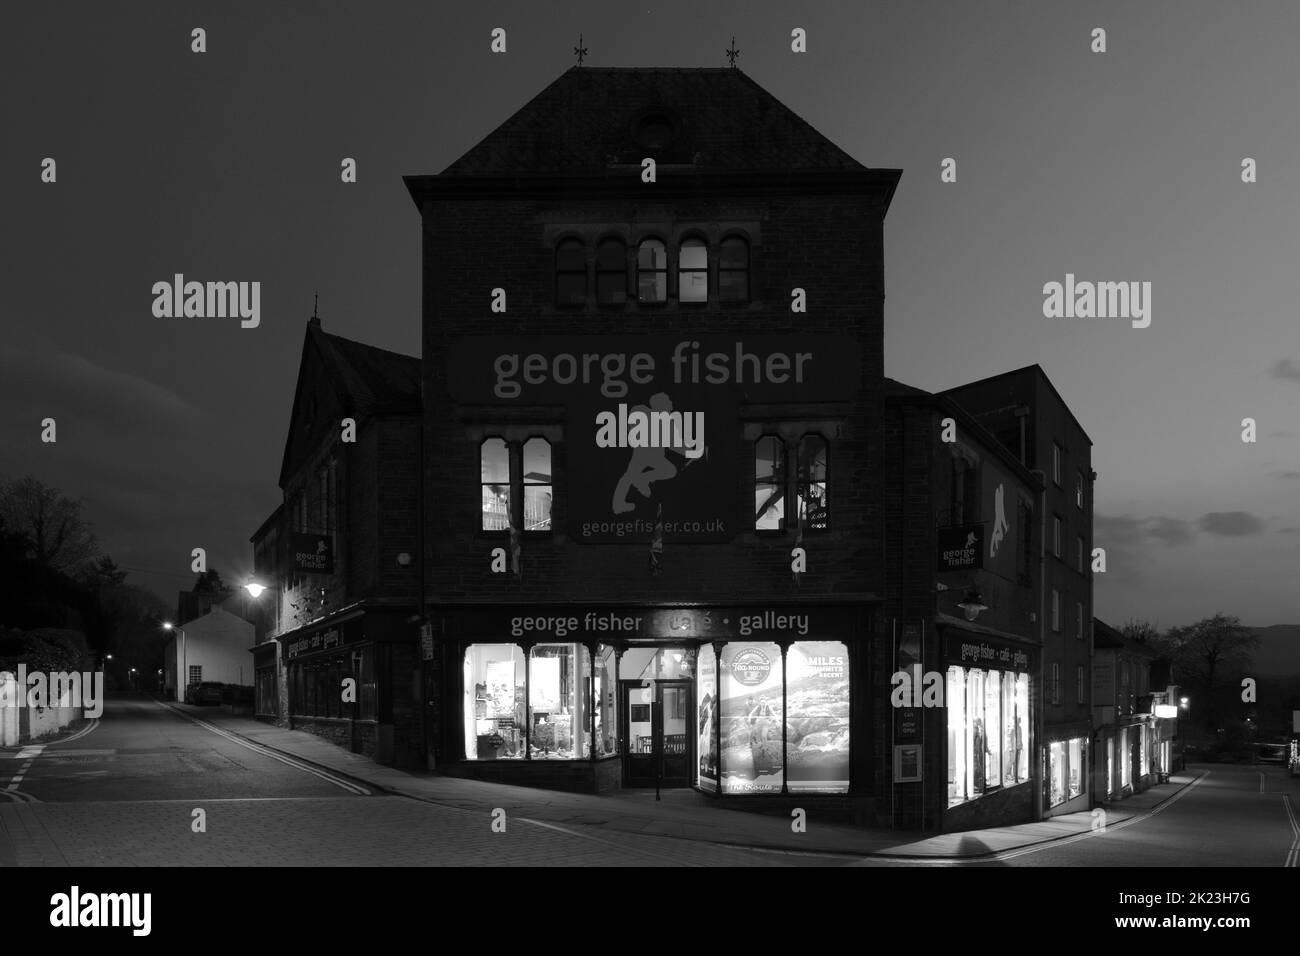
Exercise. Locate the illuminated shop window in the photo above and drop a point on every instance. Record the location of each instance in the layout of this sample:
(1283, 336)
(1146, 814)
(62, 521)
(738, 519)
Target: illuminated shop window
(494, 459)
(606, 697)
(559, 698)
(537, 485)
(611, 273)
(733, 270)
(814, 509)
(817, 717)
(706, 712)
(769, 484)
(693, 271)
(1075, 751)
(752, 725)
(1056, 773)
(988, 726)
(570, 272)
(494, 702)
(652, 271)
(1125, 759)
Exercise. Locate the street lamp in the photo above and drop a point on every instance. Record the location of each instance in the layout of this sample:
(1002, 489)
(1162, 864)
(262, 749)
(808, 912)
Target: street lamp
(169, 626)
(255, 589)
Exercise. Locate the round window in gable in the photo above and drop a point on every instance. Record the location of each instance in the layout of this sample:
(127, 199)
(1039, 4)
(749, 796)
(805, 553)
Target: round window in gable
(654, 130)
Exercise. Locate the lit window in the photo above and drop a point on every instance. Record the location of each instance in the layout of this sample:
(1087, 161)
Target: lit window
(652, 271)
(494, 702)
(537, 485)
(693, 271)
(494, 460)
(733, 270)
(611, 273)
(769, 484)
(570, 273)
(814, 508)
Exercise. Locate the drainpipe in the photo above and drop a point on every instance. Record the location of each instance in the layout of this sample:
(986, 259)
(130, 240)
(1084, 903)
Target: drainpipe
(1040, 750)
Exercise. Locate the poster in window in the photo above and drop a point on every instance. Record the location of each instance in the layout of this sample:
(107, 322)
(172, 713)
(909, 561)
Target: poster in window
(817, 717)
(907, 763)
(751, 721)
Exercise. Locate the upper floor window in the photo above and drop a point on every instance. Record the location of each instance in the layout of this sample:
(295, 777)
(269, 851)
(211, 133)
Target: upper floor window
(652, 271)
(693, 271)
(1056, 535)
(570, 272)
(1056, 610)
(733, 270)
(537, 485)
(1078, 490)
(1024, 566)
(1078, 547)
(1056, 464)
(769, 484)
(1078, 683)
(494, 460)
(814, 509)
(611, 273)
(1078, 620)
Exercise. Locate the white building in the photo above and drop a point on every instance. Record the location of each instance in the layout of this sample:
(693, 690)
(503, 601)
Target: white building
(214, 647)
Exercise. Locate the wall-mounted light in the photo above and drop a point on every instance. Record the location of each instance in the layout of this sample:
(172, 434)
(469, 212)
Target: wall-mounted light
(1166, 711)
(972, 604)
(404, 558)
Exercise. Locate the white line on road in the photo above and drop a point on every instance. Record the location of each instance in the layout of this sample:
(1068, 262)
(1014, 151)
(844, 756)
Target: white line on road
(89, 728)
(266, 752)
(1293, 856)
(595, 839)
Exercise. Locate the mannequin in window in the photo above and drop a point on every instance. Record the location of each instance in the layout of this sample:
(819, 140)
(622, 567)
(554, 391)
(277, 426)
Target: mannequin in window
(981, 747)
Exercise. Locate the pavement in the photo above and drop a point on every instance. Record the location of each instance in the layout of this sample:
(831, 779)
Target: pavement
(681, 814)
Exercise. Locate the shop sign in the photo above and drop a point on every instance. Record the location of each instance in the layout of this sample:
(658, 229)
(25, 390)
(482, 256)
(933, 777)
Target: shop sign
(585, 623)
(961, 548)
(653, 426)
(324, 639)
(975, 650)
(311, 553)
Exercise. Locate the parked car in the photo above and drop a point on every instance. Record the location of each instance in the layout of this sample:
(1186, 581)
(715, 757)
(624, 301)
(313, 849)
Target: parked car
(207, 692)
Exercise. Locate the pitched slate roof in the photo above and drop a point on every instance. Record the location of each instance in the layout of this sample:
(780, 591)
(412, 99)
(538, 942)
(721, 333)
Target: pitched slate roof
(587, 119)
(372, 379)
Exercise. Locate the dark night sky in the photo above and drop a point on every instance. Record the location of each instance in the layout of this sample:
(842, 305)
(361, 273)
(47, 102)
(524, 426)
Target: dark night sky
(225, 166)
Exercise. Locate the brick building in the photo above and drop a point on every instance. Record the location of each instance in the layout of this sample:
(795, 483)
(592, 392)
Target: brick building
(611, 589)
(339, 556)
(962, 568)
(1026, 413)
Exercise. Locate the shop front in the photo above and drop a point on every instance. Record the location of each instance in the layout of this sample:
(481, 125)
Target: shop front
(348, 679)
(728, 700)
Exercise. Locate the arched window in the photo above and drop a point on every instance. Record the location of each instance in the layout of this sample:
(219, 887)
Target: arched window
(769, 484)
(611, 273)
(693, 271)
(652, 271)
(814, 508)
(494, 459)
(733, 270)
(537, 485)
(570, 273)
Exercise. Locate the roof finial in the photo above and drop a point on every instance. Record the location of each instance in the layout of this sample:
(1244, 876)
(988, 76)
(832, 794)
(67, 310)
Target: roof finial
(580, 51)
(733, 53)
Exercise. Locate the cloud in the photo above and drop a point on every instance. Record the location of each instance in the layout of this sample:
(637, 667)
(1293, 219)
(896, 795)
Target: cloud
(1231, 524)
(1288, 474)
(1169, 530)
(1288, 530)
(1128, 531)
(1286, 368)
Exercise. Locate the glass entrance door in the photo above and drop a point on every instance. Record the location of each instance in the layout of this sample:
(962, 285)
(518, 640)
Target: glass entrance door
(657, 745)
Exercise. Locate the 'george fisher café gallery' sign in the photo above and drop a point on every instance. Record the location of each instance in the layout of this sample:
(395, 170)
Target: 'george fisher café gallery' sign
(652, 423)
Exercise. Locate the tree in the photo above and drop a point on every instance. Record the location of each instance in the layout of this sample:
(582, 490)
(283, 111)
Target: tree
(58, 537)
(1140, 630)
(1211, 655)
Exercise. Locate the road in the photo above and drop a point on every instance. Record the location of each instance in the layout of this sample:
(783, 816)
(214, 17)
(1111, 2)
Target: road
(147, 786)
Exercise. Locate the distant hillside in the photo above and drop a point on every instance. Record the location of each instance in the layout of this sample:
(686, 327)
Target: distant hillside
(1279, 650)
